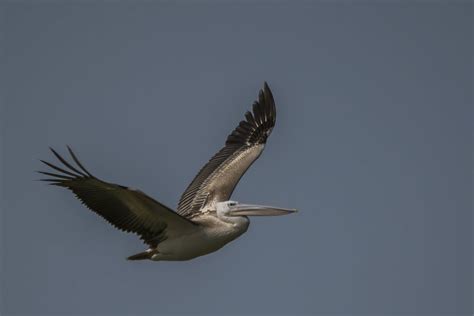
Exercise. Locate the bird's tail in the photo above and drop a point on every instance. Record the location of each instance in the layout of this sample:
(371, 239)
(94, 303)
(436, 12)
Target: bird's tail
(143, 255)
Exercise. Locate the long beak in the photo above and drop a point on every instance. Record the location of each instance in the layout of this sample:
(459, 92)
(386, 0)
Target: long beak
(258, 210)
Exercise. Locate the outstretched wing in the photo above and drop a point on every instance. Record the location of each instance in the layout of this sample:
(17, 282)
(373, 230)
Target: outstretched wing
(127, 209)
(216, 181)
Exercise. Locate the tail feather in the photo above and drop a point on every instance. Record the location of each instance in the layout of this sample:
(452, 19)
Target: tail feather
(143, 255)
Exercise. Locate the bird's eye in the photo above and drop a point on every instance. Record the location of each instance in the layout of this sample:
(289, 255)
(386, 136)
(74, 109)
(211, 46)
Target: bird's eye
(232, 204)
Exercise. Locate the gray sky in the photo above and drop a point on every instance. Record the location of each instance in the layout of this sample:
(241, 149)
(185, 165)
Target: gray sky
(372, 145)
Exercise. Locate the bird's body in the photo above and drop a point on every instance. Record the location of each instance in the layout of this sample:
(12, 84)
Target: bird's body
(206, 219)
(212, 234)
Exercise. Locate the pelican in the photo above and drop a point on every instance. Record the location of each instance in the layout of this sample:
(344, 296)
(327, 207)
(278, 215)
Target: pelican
(206, 219)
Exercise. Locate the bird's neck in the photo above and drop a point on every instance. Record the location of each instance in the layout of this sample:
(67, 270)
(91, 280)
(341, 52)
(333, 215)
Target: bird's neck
(235, 220)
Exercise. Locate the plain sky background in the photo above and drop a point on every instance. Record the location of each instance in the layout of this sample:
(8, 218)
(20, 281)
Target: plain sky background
(373, 144)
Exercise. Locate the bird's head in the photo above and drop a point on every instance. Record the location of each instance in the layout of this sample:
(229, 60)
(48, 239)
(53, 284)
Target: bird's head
(233, 208)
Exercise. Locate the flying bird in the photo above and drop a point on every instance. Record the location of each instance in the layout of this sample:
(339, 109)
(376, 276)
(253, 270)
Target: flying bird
(206, 219)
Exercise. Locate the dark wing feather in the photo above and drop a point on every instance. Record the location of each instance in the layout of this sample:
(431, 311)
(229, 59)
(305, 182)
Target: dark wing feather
(126, 209)
(243, 146)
